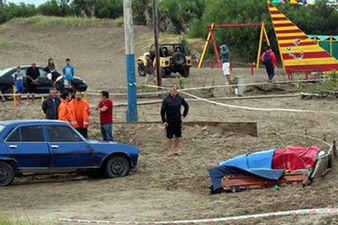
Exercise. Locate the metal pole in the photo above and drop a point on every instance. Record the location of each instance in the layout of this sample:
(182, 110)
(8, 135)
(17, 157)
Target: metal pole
(157, 55)
(131, 113)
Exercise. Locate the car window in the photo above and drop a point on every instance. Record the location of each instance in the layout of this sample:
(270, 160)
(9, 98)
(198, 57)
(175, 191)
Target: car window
(27, 134)
(5, 71)
(42, 73)
(14, 137)
(31, 134)
(1, 127)
(62, 134)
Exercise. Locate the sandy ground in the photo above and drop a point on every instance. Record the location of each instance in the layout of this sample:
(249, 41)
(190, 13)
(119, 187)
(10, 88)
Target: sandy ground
(163, 188)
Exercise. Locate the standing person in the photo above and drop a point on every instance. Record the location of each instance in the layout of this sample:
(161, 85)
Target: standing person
(225, 54)
(18, 82)
(105, 106)
(150, 72)
(64, 112)
(270, 62)
(32, 77)
(68, 73)
(51, 104)
(81, 112)
(172, 118)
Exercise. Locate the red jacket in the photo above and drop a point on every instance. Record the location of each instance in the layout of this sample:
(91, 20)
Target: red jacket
(272, 56)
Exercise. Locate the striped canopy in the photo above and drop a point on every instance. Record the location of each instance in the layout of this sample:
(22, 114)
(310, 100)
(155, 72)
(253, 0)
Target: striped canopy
(298, 52)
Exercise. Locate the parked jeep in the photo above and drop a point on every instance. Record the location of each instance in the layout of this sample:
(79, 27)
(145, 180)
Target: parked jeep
(173, 59)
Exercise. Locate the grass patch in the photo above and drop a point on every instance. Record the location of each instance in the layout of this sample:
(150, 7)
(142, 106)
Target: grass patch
(10, 221)
(4, 44)
(43, 22)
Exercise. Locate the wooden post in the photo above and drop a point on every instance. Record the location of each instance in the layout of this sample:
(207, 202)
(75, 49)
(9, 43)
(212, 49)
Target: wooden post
(260, 45)
(157, 54)
(205, 48)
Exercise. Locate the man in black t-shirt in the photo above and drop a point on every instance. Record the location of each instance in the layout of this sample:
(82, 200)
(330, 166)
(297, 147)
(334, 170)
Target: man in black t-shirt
(172, 118)
(32, 77)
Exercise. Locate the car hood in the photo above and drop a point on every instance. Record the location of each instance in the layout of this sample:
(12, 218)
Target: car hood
(113, 146)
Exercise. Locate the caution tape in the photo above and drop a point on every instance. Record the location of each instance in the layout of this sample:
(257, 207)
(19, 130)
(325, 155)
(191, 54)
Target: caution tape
(213, 220)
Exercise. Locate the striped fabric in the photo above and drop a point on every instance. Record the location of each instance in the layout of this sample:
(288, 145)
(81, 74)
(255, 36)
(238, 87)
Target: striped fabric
(308, 56)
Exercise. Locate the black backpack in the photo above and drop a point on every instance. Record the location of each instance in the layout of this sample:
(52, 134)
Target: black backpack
(267, 58)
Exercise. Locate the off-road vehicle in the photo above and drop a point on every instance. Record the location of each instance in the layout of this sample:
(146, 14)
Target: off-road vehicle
(173, 59)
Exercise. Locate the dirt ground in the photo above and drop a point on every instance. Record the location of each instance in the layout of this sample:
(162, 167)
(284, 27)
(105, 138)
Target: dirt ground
(163, 188)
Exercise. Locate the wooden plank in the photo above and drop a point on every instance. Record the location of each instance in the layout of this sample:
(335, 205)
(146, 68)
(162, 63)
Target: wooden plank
(246, 128)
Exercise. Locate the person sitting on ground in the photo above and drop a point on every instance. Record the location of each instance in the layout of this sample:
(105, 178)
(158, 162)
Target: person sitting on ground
(18, 82)
(68, 73)
(51, 104)
(64, 112)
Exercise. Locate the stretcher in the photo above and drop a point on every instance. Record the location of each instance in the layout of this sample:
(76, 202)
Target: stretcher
(241, 182)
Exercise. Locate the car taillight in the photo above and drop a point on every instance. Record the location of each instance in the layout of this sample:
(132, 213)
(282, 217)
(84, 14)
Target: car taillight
(166, 63)
(188, 61)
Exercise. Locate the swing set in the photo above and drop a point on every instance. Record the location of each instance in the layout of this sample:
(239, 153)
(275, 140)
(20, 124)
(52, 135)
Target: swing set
(211, 38)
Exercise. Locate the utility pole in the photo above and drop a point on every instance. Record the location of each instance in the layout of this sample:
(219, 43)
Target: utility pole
(130, 61)
(157, 55)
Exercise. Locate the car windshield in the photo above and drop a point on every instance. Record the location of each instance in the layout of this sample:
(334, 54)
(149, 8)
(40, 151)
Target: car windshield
(1, 127)
(5, 71)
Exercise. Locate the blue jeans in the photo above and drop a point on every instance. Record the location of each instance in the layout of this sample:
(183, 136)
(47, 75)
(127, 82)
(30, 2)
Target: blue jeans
(107, 132)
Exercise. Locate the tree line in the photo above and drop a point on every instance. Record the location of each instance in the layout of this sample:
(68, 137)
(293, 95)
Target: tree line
(191, 17)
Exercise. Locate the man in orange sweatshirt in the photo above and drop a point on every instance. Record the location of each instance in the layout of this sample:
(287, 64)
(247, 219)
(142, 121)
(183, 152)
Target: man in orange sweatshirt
(81, 112)
(65, 114)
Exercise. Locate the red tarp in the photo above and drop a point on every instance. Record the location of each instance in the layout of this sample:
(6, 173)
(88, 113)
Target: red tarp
(295, 158)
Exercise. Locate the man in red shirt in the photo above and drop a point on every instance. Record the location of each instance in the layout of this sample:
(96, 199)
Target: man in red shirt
(105, 106)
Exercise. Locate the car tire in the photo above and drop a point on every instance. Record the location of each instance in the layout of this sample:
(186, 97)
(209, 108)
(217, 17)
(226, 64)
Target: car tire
(185, 71)
(6, 174)
(165, 72)
(8, 93)
(179, 59)
(141, 70)
(117, 166)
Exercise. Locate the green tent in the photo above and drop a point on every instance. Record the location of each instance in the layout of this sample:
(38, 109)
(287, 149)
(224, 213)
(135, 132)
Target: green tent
(327, 42)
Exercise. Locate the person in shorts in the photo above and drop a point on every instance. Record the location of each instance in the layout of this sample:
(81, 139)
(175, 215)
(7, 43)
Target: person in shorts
(225, 54)
(18, 82)
(172, 118)
(32, 78)
(68, 73)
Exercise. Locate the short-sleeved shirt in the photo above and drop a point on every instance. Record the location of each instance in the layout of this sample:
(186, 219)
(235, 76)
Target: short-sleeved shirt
(68, 71)
(106, 117)
(34, 73)
(18, 79)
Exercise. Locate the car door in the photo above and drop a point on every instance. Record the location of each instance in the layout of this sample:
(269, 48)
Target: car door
(67, 148)
(44, 84)
(28, 146)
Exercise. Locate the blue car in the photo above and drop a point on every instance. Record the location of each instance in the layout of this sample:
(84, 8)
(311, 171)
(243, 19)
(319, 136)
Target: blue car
(50, 145)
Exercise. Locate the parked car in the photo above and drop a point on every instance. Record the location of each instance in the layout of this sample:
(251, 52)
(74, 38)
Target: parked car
(173, 58)
(43, 86)
(47, 145)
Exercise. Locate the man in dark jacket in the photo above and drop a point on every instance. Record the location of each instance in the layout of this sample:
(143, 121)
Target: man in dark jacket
(51, 104)
(225, 54)
(172, 118)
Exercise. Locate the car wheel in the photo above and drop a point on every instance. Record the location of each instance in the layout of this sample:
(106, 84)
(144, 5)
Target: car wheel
(141, 70)
(164, 72)
(179, 58)
(117, 166)
(185, 71)
(8, 93)
(6, 174)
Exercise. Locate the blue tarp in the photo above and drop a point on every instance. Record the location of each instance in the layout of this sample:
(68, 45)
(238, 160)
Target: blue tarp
(258, 164)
